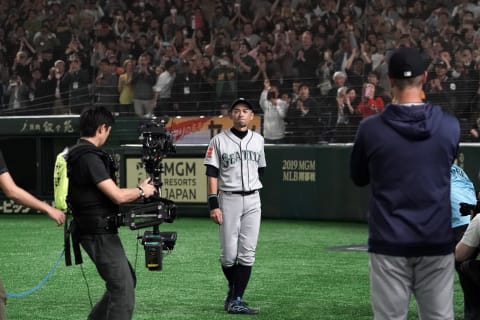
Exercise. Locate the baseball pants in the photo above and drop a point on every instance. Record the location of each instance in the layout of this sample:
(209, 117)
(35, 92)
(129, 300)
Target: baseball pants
(394, 279)
(240, 228)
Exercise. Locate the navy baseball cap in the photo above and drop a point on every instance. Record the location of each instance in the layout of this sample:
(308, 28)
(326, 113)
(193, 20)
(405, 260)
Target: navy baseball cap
(241, 101)
(405, 63)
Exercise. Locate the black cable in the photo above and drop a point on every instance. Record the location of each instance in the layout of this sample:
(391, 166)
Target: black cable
(88, 287)
(136, 253)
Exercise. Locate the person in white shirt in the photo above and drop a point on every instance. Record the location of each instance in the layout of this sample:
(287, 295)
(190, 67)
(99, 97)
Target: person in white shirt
(274, 112)
(163, 91)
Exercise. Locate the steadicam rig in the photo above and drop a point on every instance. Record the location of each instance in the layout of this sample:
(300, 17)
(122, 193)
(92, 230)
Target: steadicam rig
(157, 143)
(467, 209)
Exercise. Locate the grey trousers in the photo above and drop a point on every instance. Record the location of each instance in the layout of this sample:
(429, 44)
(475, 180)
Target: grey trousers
(240, 228)
(108, 255)
(394, 279)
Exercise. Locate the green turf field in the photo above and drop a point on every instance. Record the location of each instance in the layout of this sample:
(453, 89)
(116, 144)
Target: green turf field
(295, 276)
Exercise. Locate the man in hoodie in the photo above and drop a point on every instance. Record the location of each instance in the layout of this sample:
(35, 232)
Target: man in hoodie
(405, 153)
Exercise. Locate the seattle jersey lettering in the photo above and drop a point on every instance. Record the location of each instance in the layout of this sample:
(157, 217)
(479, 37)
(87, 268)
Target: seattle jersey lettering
(232, 158)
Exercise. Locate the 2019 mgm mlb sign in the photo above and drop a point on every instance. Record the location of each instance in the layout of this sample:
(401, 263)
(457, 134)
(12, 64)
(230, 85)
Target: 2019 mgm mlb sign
(184, 179)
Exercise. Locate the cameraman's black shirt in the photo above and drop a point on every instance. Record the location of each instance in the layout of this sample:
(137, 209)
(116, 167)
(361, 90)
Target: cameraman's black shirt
(3, 165)
(85, 173)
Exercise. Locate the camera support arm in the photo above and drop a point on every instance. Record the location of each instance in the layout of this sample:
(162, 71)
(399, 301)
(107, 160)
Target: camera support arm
(150, 214)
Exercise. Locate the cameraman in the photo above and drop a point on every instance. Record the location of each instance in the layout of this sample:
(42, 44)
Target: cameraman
(94, 198)
(465, 253)
(19, 195)
(463, 191)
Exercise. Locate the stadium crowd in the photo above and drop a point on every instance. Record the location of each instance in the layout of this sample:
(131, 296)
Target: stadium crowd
(326, 59)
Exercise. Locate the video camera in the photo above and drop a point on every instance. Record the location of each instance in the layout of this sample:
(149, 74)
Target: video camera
(157, 143)
(467, 209)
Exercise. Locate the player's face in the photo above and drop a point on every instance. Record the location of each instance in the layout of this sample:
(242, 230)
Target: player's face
(241, 116)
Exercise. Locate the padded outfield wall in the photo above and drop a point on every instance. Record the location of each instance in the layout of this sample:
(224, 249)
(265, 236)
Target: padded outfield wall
(301, 181)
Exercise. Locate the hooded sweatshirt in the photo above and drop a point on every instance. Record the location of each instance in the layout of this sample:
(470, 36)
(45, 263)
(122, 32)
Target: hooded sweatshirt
(405, 154)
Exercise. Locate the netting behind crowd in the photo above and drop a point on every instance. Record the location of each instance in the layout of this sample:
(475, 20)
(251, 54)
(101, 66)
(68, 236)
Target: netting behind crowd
(322, 64)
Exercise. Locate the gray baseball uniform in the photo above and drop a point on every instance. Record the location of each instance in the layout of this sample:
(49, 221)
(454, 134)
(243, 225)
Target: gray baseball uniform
(238, 161)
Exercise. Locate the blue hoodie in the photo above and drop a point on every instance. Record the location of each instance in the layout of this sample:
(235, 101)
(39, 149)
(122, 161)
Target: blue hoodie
(405, 154)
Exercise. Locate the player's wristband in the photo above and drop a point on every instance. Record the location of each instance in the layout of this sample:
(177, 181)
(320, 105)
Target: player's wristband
(213, 201)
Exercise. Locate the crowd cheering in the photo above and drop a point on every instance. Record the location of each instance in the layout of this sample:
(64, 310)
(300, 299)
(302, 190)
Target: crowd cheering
(313, 69)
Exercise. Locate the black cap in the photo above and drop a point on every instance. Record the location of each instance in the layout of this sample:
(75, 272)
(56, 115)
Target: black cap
(241, 101)
(405, 63)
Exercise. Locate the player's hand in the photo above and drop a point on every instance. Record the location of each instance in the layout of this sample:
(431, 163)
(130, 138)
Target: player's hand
(57, 215)
(217, 216)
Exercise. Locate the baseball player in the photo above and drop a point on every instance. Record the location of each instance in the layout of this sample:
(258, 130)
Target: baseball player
(235, 161)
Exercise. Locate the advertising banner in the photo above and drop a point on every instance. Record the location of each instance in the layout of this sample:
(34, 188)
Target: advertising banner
(199, 130)
(184, 179)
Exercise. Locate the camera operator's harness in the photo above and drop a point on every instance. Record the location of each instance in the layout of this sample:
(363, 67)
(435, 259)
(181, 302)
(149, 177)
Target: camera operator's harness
(157, 142)
(89, 224)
